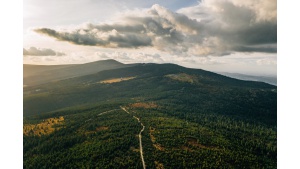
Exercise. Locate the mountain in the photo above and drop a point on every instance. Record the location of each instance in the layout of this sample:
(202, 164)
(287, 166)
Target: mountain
(182, 118)
(153, 78)
(267, 79)
(40, 74)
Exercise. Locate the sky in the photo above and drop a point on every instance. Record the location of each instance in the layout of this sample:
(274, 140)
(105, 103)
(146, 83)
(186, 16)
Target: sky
(237, 36)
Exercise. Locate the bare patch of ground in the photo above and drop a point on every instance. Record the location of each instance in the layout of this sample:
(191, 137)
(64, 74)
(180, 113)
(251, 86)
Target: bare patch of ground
(144, 105)
(158, 165)
(152, 129)
(187, 148)
(101, 128)
(183, 77)
(159, 147)
(156, 145)
(134, 149)
(116, 80)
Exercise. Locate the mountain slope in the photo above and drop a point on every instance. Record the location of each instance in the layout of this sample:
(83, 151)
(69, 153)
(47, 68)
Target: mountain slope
(39, 74)
(192, 119)
(32, 70)
(151, 82)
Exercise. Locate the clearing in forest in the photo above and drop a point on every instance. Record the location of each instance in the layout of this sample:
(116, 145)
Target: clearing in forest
(183, 77)
(144, 105)
(116, 80)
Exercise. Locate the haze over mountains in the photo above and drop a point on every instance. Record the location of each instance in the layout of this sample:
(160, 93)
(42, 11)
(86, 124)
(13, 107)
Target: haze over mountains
(262, 78)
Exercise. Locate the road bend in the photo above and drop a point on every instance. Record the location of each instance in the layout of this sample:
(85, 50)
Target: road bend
(140, 137)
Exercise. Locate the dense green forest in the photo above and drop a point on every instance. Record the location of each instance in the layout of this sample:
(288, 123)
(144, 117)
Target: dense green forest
(193, 119)
(87, 140)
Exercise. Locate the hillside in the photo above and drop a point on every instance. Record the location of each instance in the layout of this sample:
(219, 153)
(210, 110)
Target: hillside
(41, 74)
(192, 118)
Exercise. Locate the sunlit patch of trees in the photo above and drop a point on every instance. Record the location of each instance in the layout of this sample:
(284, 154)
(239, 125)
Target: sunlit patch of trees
(46, 126)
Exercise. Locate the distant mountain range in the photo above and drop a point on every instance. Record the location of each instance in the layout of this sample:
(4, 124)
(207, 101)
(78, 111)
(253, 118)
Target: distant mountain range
(267, 79)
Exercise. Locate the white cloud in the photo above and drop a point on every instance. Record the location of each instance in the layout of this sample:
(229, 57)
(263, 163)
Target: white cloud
(243, 31)
(212, 27)
(266, 61)
(33, 51)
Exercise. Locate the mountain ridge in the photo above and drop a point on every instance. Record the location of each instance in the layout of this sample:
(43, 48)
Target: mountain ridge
(153, 78)
(40, 74)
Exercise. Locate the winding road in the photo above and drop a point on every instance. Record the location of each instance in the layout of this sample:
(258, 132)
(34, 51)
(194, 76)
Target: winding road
(140, 137)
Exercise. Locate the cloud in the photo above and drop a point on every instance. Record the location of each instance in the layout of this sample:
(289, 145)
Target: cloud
(33, 51)
(132, 57)
(266, 61)
(267, 49)
(236, 25)
(95, 36)
(211, 28)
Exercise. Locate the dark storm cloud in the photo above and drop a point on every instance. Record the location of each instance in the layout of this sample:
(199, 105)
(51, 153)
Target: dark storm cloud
(213, 27)
(33, 51)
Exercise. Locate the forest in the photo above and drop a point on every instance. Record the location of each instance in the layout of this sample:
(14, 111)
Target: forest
(192, 118)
